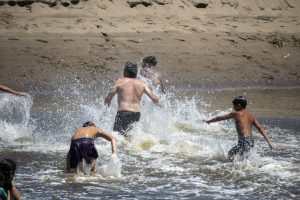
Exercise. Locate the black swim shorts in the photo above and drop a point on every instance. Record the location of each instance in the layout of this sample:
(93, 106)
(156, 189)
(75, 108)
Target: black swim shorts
(124, 120)
(244, 145)
(82, 148)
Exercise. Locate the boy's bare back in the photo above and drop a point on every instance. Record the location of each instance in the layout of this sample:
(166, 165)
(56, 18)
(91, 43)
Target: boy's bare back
(130, 91)
(90, 132)
(243, 122)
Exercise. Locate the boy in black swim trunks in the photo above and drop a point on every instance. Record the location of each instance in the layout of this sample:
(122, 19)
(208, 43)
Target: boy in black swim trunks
(82, 147)
(130, 91)
(243, 122)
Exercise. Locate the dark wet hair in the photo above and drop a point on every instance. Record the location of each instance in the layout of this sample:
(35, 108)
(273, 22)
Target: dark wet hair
(7, 168)
(86, 124)
(240, 100)
(149, 61)
(130, 70)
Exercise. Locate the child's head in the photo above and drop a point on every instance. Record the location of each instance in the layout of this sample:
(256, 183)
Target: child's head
(87, 124)
(239, 103)
(130, 70)
(149, 62)
(8, 169)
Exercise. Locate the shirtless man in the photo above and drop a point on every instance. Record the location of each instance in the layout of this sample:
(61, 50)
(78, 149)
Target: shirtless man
(130, 91)
(243, 122)
(8, 90)
(148, 71)
(82, 147)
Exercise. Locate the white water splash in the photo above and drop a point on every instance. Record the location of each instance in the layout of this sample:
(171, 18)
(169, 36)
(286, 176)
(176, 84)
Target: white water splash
(112, 168)
(14, 118)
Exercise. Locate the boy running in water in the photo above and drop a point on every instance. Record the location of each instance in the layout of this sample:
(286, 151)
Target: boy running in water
(243, 122)
(148, 71)
(82, 147)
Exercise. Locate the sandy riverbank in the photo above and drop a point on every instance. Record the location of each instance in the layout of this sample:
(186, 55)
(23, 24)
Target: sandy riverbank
(228, 44)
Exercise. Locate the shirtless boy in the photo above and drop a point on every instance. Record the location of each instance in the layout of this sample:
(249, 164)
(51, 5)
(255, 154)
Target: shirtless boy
(8, 90)
(243, 122)
(82, 147)
(130, 91)
(148, 71)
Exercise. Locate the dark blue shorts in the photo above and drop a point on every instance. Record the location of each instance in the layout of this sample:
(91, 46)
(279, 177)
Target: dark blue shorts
(82, 148)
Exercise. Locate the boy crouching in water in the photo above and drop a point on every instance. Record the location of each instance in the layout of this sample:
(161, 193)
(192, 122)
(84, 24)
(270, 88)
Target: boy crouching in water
(82, 147)
(243, 122)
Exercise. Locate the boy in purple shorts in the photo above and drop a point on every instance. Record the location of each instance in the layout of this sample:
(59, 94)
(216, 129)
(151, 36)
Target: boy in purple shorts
(82, 147)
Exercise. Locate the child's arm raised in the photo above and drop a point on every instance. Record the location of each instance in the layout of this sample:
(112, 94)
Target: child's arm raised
(221, 118)
(263, 133)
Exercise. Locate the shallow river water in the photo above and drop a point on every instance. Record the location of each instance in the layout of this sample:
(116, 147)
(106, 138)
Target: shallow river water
(171, 153)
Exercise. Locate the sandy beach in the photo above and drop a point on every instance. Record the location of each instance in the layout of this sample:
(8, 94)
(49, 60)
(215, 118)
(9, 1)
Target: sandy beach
(210, 44)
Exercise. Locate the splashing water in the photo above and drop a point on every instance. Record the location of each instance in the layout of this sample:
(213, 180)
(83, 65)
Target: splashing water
(111, 168)
(14, 118)
(170, 154)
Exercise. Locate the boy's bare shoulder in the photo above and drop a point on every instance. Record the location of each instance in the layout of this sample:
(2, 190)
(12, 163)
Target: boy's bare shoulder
(139, 81)
(236, 113)
(120, 80)
(249, 115)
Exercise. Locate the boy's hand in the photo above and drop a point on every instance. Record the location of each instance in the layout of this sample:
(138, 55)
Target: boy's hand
(22, 94)
(206, 121)
(271, 145)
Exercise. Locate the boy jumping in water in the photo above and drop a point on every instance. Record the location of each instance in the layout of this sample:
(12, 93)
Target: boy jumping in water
(243, 122)
(82, 147)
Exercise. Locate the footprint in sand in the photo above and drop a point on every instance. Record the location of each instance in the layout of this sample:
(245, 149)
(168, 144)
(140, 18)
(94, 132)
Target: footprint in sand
(247, 57)
(68, 40)
(43, 41)
(15, 39)
(181, 40)
(133, 41)
(156, 39)
(231, 40)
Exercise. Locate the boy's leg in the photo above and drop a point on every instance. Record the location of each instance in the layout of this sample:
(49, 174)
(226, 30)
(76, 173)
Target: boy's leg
(248, 144)
(93, 166)
(80, 167)
(73, 160)
(232, 153)
(68, 162)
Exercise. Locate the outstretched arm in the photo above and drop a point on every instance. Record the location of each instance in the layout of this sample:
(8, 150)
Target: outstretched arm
(151, 95)
(110, 95)
(110, 138)
(264, 134)
(8, 90)
(221, 118)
